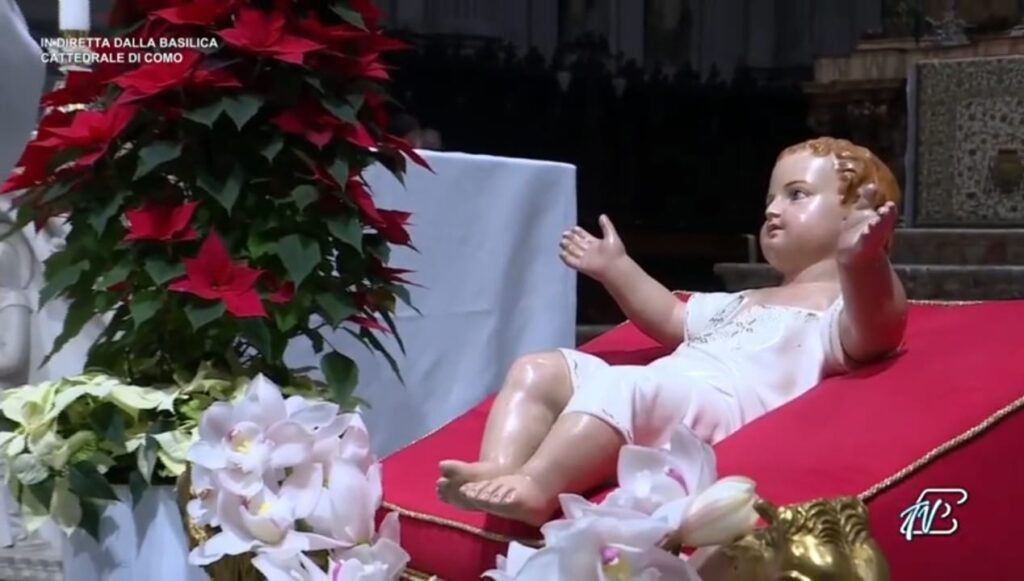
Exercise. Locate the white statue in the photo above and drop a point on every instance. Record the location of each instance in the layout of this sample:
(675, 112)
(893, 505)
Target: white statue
(16, 267)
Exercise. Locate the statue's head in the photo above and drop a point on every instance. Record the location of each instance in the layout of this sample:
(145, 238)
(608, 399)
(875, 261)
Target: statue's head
(814, 187)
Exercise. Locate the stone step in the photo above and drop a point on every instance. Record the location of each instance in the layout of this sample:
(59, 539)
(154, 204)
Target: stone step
(922, 281)
(958, 246)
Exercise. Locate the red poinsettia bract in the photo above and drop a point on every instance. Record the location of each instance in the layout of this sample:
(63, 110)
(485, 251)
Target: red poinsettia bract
(161, 222)
(92, 131)
(279, 291)
(212, 275)
(152, 79)
(261, 32)
(312, 121)
(196, 12)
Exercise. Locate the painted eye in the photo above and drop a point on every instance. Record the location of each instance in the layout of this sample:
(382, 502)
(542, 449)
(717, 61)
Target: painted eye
(797, 194)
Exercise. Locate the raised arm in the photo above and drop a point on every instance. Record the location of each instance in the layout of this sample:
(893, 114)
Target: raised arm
(645, 301)
(874, 302)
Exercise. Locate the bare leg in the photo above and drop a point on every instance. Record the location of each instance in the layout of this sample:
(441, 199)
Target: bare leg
(536, 390)
(579, 454)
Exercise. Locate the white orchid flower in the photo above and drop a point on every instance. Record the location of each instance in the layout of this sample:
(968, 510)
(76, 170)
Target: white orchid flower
(347, 510)
(353, 447)
(202, 509)
(510, 564)
(720, 514)
(662, 482)
(295, 568)
(384, 560)
(265, 522)
(601, 543)
(241, 441)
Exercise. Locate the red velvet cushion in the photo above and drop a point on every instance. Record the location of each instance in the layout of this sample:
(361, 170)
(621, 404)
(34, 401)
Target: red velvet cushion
(850, 435)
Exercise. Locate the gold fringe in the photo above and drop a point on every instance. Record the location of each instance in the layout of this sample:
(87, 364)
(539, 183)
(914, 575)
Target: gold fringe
(453, 524)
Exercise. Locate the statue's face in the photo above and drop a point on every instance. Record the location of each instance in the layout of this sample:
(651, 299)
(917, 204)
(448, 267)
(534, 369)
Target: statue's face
(804, 212)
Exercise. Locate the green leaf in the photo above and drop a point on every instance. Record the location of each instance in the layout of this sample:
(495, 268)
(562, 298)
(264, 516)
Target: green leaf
(101, 216)
(225, 192)
(242, 108)
(144, 305)
(42, 491)
(162, 270)
(300, 256)
(341, 374)
(115, 275)
(137, 485)
(86, 482)
(108, 421)
(92, 515)
(255, 330)
(208, 114)
(155, 154)
(348, 15)
(80, 312)
(378, 248)
(271, 149)
(315, 83)
(348, 229)
(146, 458)
(341, 109)
(59, 281)
(200, 315)
(287, 318)
(56, 191)
(403, 295)
(338, 307)
(304, 195)
(339, 170)
(357, 100)
(390, 321)
(260, 243)
(375, 342)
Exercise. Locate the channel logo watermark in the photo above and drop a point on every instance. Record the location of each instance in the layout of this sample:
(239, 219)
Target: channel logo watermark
(932, 514)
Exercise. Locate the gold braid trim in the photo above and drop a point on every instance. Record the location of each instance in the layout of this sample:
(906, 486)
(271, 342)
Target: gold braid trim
(942, 449)
(429, 518)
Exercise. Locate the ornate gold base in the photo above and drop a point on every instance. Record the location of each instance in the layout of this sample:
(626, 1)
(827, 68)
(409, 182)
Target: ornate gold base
(822, 540)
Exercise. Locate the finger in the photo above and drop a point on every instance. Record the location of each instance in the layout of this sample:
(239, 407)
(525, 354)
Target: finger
(582, 239)
(581, 233)
(607, 229)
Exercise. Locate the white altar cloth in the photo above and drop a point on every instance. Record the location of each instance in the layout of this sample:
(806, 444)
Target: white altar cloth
(493, 288)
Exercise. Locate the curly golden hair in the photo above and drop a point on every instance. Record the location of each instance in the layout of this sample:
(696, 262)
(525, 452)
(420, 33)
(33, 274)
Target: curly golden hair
(859, 170)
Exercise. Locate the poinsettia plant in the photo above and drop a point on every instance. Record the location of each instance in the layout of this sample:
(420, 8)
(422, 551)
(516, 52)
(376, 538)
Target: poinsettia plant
(216, 204)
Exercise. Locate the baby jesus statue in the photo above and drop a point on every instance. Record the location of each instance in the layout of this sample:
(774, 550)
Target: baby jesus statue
(560, 418)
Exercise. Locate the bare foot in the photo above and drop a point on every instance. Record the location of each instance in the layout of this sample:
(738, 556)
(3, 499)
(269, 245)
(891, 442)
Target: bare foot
(513, 496)
(455, 473)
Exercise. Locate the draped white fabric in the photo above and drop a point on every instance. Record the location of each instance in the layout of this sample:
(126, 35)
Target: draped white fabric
(492, 287)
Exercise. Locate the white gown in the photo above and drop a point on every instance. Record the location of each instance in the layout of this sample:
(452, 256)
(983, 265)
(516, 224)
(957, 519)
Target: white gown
(739, 361)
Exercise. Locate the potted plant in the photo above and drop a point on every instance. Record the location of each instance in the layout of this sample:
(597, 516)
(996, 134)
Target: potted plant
(216, 212)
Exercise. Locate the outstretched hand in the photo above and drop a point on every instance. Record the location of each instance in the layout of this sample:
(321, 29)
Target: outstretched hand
(867, 230)
(590, 255)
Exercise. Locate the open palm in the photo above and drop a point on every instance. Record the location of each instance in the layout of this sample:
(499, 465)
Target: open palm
(593, 256)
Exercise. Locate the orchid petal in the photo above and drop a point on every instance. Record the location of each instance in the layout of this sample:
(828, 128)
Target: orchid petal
(292, 444)
(303, 488)
(720, 514)
(207, 455)
(216, 421)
